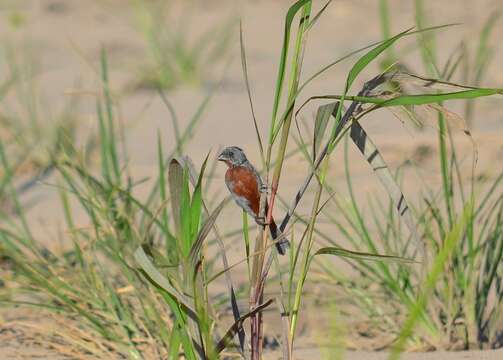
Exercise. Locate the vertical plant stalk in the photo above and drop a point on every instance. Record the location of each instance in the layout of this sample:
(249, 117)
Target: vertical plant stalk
(294, 85)
(256, 292)
(444, 166)
(428, 54)
(258, 280)
(294, 311)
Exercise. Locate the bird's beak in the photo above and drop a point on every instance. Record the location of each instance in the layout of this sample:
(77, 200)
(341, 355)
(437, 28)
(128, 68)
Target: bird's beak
(222, 157)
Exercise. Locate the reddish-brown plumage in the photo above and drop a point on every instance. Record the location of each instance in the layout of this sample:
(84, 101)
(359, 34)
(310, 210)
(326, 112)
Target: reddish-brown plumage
(244, 184)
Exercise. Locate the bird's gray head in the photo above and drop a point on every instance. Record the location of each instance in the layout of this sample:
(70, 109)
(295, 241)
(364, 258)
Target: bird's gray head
(233, 156)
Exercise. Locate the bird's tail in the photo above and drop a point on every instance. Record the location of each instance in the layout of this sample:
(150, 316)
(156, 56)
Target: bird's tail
(282, 244)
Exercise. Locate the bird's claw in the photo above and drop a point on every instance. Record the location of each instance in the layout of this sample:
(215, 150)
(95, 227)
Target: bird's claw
(264, 189)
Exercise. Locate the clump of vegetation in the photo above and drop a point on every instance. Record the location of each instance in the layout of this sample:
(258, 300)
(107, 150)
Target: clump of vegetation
(139, 279)
(176, 56)
(30, 143)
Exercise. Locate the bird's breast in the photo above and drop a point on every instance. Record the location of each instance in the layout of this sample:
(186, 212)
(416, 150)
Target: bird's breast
(242, 182)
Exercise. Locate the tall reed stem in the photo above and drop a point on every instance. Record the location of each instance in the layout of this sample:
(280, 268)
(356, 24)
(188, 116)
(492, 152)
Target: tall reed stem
(257, 287)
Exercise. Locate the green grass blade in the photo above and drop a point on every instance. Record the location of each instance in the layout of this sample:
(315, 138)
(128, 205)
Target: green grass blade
(196, 204)
(185, 214)
(175, 179)
(421, 99)
(111, 140)
(370, 56)
(246, 237)
(320, 125)
(205, 229)
(292, 11)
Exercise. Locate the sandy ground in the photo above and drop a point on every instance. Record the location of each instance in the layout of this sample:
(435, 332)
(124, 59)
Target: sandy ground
(67, 36)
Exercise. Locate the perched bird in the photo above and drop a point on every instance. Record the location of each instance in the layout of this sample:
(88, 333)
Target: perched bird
(245, 185)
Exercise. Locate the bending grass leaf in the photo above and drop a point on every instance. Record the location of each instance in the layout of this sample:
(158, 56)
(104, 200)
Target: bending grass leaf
(370, 56)
(361, 255)
(423, 99)
(244, 68)
(320, 125)
(222, 344)
(469, 92)
(420, 99)
(318, 15)
(451, 117)
(376, 161)
(405, 78)
(157, 279)
(356, 69)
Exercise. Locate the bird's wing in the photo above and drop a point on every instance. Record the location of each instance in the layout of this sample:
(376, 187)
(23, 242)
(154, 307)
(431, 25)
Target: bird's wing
(260, 183)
